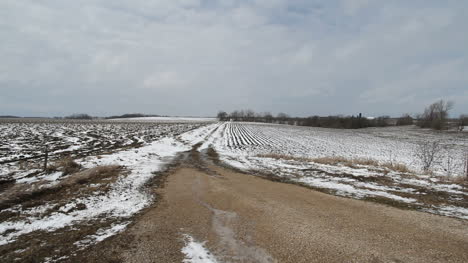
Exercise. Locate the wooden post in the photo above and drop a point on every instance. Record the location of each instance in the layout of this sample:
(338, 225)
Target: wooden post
(46, 156)
(466, 165)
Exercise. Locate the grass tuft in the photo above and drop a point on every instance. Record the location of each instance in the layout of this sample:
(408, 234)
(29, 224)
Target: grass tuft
(339, 160)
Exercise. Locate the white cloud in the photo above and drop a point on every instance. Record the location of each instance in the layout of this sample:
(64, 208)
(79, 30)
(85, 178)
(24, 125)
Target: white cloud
(267, 55)
(164, 80)
(351, 7)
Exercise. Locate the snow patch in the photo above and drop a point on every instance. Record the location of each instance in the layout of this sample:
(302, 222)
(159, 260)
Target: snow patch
(196, 252)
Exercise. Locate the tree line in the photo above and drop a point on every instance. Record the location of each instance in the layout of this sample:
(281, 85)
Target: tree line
(339, 122)
(435, 116)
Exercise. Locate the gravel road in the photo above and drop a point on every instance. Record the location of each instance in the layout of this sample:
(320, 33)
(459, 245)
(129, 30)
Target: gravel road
(244, 218)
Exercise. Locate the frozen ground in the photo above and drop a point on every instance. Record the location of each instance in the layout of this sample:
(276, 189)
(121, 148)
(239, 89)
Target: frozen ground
(24, 140)
(168, 119)
(99, 201)
(109, 203)
(288, 153)
(391, 144)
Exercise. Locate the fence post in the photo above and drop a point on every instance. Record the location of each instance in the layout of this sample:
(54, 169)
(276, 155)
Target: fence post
(466, 165)
(46, 156)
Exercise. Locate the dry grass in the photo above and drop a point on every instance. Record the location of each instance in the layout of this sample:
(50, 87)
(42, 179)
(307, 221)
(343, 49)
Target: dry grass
(334, 160)
(285, 157)
(20, 193)
(66, 164)
(69, 166)
(398, 167)
(339, 160)
(463, 180)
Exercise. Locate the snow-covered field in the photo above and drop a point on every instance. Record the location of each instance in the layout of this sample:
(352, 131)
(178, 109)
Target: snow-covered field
(391, 144)
(112, 185)
(290, 153)
(23, 140)
(168, 119)
(108, 203)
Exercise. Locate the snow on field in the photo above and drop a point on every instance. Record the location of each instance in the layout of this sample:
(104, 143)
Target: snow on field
(22, 140)
(392, 144)
(288, 152)
(125, 197)
(123, 200)
(101, 235)
(168, 119)
(195, 252)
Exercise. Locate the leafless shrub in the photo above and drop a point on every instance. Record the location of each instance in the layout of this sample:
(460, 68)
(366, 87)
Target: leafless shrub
(449, 162)
(427, 153)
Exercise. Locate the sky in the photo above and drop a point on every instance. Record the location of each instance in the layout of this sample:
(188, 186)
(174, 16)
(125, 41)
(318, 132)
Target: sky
(196, 57)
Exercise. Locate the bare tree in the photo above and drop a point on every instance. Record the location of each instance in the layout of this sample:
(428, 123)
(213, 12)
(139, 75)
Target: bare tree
(234, 115)
(250, 115)
(268, 117)
(426, 153)
(222, 115)
(282, 117)
(435, 115)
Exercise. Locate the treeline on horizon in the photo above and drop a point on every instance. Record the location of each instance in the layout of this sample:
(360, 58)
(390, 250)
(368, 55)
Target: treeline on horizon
(338, 122)
(435, 116)
(84, 116)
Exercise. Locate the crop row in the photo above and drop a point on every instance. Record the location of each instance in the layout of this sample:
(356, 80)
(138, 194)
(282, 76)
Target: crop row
(22, 140)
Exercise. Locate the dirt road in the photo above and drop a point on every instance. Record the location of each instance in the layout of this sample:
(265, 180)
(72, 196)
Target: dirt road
(244, 218)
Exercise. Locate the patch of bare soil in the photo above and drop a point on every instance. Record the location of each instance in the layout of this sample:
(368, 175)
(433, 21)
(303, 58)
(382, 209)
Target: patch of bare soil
(38, 245)
(245, 218)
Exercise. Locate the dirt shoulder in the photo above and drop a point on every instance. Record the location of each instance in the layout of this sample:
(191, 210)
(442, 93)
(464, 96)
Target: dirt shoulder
(244, 218)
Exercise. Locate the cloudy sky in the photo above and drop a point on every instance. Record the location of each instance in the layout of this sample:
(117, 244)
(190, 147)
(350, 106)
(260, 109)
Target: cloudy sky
(195, 57)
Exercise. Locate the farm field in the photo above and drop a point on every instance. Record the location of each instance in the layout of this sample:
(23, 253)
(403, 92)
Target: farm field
(106, 177)
(377, 164)
(26, 140)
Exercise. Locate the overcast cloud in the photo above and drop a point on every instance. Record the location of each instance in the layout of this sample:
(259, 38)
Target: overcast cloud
(195, 57)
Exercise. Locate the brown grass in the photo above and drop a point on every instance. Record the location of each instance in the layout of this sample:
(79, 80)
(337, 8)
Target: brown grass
(66, 164)
(20, 193)
(339, 160)
(334, 160)
(398, 167)
(463, 180)
(69, 166)
(285, 157)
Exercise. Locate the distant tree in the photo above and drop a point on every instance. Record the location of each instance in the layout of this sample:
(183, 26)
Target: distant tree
(222, 115)
(79, 116)
(249, 115)
(462, 122)
(268, 117)
(282, 117)
(405, 119)
(435, 115)
(234, 115)
(381, 121)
